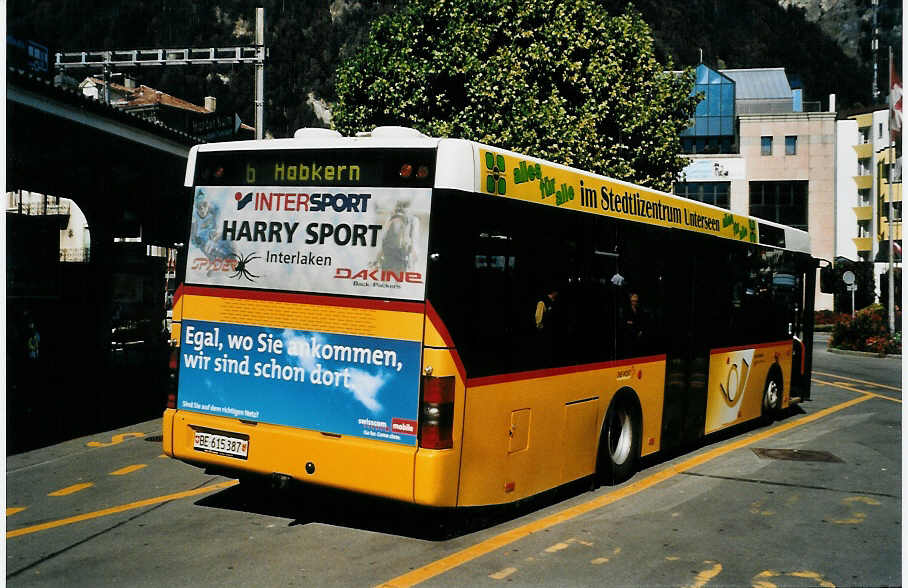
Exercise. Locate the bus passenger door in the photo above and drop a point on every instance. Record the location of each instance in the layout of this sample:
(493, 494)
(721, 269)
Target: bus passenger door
(802, 363)
(688, 312)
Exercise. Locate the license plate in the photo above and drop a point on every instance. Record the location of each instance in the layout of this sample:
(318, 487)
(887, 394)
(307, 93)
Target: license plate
(221, 444)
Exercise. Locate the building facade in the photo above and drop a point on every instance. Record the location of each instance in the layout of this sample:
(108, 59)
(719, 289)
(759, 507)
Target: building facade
(755, 147)
(863, 158)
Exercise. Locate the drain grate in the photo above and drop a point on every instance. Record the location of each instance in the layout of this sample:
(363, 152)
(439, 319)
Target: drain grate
(155, 438)
(797, 455)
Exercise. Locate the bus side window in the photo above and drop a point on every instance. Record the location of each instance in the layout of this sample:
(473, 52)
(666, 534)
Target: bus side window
(641, 291)
(601, 293)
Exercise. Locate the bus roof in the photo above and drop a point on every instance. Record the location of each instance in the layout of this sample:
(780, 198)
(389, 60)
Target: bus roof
(475, 167)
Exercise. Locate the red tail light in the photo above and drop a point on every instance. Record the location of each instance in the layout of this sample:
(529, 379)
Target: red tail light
(436, 415)
(173, 377)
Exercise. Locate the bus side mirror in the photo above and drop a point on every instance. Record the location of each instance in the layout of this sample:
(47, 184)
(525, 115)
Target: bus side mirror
(828, 278)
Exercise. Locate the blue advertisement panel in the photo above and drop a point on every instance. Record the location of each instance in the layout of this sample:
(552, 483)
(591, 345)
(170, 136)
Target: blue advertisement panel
(346, 384)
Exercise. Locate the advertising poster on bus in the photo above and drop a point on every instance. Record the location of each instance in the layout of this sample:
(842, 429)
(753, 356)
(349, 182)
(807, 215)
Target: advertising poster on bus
(362, 242)
(328, 382)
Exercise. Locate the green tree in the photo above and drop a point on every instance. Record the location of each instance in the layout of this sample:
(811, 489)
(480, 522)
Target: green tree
(559, 80)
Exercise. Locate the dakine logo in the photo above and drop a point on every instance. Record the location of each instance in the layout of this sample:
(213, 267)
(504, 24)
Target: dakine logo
(377, 275)
(242, 201)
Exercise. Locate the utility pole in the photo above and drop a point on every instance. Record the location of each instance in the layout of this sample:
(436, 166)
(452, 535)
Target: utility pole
(260, 73)
(107, 61)
(891, 302)
(874, 50)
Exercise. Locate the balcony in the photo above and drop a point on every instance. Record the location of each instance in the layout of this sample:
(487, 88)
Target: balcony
(864, 120)
(896, 191)
(863, 213)
(864, 150)
(896, 230)
(863, 182)
(863, 243)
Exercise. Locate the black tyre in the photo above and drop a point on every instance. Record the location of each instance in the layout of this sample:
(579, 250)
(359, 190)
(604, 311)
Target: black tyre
(619, 443)
(772, 395)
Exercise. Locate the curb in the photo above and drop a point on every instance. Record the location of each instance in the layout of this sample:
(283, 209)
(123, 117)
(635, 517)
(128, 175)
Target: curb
(863, 353)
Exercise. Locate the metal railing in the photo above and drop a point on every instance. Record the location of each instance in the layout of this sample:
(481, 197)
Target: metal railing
(781, 106)
(33, 207)
(76, 255)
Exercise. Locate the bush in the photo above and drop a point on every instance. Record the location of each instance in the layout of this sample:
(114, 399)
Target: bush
(828, 317)
(868, 331)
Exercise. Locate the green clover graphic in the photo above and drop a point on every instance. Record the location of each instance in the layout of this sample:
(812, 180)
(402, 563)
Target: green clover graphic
(495, 180)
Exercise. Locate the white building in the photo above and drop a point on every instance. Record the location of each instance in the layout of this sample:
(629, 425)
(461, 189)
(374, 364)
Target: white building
(862, 191)
(756, 148)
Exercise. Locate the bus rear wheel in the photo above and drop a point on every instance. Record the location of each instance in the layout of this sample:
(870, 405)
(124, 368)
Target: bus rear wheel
(619, 444)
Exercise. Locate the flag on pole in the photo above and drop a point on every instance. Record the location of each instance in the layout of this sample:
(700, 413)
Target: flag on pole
(895, 103)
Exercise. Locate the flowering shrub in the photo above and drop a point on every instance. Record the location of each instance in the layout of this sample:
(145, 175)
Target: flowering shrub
(829, 317)
(868, 331)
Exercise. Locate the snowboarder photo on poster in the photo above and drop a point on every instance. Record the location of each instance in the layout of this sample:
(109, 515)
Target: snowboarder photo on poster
(204, 233)
(398, 246)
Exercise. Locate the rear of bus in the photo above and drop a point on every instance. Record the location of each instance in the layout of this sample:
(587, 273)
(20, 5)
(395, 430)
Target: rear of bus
(304, 349)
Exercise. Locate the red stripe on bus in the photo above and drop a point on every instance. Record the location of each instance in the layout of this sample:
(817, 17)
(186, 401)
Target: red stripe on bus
(439, 324)
(744, 347)
(181, 289)
(306, 299)
(432, 316)
(545, 373)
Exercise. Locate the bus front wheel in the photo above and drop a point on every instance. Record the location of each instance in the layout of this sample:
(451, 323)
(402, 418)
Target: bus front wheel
(772, 395)
(619, 442)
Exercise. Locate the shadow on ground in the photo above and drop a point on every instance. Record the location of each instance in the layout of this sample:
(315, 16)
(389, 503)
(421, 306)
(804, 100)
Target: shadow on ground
(303, 504)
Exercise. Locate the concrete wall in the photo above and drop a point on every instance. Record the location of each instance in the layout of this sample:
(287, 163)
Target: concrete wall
(814, 161)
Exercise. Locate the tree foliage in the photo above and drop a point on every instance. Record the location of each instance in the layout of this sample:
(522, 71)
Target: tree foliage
(559, 80)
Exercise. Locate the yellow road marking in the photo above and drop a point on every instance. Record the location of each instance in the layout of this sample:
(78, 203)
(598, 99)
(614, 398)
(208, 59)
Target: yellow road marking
(864, 499)
(14, 509)
(494, 543)
(858, 390)
(72, 489)
(857, 519)
(760, 580)
(858, 381)
(128, 469)
(705, 576)
(502, 574)
(857, 516)
(115, 440)
(599, 561)
(118, 509)
(556, 547)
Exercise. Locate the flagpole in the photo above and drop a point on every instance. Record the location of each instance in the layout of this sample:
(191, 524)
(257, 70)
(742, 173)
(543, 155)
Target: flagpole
(889, 214)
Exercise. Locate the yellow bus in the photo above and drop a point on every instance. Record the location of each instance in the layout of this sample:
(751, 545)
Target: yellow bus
(447, 323)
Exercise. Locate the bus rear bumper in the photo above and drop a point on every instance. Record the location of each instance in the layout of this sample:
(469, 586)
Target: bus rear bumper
(362, 465)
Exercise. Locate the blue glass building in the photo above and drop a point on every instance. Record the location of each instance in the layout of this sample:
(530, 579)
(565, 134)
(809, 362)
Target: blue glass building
(713, 125)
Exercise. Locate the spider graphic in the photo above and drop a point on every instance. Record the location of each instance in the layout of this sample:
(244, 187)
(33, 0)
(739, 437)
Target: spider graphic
(240, 267)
